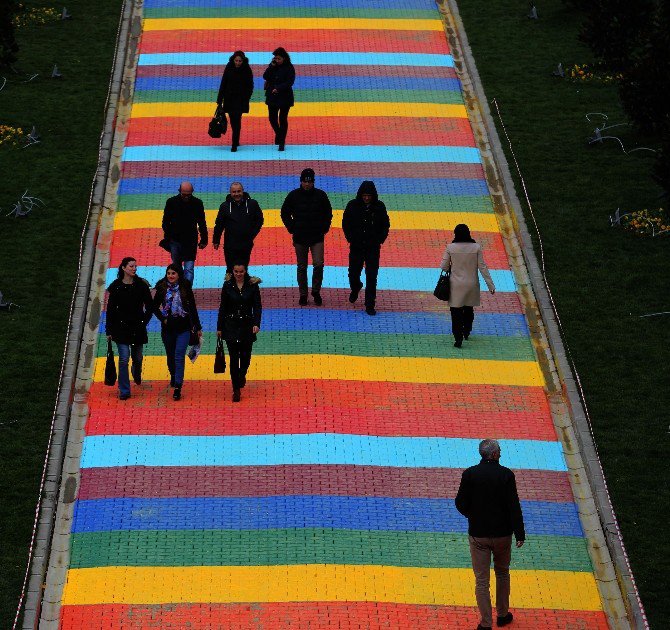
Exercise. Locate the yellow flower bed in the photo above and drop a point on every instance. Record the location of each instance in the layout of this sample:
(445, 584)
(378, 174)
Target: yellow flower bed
(11, 136)
(647, 222)
(35, 16)
(584, 72)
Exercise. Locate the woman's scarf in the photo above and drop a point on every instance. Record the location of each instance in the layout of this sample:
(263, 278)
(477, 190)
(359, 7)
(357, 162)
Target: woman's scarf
(172, 303)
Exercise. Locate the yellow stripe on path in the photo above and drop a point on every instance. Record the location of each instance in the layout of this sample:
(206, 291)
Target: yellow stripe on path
(353, 368)
(270, 24)
(320, 109)
(400, 220)
(557, 590)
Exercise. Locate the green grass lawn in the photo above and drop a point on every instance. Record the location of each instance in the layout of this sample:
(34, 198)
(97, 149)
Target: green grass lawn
(602, 278)
(38, 254)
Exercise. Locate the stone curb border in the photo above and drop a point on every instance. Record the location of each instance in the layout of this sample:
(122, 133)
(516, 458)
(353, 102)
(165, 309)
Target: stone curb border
(620, 598)
(57, 494)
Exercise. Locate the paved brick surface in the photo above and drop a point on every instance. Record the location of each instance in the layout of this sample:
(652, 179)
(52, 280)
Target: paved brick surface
(325, 498)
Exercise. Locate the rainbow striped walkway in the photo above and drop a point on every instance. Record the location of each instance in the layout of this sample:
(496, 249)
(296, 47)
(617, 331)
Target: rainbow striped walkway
(326, 498)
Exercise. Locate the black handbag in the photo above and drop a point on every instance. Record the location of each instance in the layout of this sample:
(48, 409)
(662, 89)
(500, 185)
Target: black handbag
(110, 366)
(442, 288)
(219, 358)
(218, 125)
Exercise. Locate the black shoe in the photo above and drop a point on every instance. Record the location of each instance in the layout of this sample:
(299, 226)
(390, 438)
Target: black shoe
(124, 396)
(458, 344)
(480, 627)
(277, 139)
(233, 149)
(318, 300)
(353, 296)
(176, 394)
(137, 375)
(281, 147)
(466, 336)
(370, 310)
(303, 300)
(236, 395)
(506, 620)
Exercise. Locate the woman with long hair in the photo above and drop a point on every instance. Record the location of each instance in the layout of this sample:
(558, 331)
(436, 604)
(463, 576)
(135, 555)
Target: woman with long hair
(237, 86)
(238, 323)
(174, 305)
(279, 78)
(129, 310)
(464, 258)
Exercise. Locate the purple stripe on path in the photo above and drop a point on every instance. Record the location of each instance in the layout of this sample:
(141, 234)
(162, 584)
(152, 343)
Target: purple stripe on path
(420, 72)
(253, 481)
(364, 170)
(390, 301)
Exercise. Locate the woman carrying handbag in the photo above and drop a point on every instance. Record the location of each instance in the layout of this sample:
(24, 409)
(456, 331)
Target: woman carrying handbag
(174, 305)
(462, 259)
(237, 86)
(129, 310)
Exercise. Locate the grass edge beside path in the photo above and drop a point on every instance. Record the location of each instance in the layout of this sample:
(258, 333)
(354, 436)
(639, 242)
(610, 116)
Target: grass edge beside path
(601, 278)
(39, 253)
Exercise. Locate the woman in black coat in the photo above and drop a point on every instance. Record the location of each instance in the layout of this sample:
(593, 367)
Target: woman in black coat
(239, 321)
(174, 305)
(237, 86)
(128, 312)
(279, 78)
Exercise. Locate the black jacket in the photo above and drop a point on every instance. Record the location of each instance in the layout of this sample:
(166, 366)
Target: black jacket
(365, 226)
(280, 78)
(181, 222)
(237, 86)
(191, 321)
(239, 311)
(129, 309)
(240, 223)
(487, 497)
(307, 215)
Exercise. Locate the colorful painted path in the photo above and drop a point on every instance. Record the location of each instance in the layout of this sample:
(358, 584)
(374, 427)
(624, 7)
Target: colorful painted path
(326, 498)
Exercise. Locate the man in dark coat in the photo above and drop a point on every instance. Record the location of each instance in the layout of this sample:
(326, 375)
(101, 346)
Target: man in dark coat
(488, 498)
(240, 219)
(307, 215)
(183, 218)
(366, 225)
(237, 86)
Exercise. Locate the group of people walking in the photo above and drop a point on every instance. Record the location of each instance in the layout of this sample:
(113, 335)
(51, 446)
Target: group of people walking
(237, 87)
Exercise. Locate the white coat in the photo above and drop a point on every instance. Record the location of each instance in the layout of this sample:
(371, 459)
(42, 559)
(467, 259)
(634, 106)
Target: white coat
(465, 259)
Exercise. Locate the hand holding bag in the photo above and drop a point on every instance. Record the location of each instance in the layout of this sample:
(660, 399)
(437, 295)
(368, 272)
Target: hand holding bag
(442, 289)
(110, 366)
(219, 124)
(219, 358)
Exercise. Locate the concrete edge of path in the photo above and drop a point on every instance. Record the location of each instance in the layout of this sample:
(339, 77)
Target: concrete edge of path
(51, 560)
(619, 596)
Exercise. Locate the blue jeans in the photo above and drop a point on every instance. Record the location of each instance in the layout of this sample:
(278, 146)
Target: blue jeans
(125, 352)
(175, 344)
(187, 265)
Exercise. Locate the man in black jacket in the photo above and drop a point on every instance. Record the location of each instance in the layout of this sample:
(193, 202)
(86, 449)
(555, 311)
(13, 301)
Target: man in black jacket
(366, 224)
(488, 498)
(183, 218)
(307, 215)
(240, 219)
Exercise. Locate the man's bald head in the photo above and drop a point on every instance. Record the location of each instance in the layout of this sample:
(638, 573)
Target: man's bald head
(186, 190)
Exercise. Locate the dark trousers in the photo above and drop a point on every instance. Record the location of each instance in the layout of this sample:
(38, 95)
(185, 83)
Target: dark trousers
(239, 255)
(461, 321)
(481, 550)
(235, 126)
(368, 256)
(279, 122)
(239, 354)
(301, 254)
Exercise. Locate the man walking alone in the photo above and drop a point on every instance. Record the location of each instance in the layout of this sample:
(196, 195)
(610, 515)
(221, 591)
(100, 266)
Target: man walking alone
(365, 223)
(488, 498)
(183, 218)
(307, 215)
(240, 219)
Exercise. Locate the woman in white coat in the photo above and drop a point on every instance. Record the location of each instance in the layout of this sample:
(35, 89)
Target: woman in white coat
(464, 257)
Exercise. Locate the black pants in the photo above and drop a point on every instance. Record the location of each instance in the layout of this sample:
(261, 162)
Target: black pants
(239, 355)
(235, 126)
(461, 321)
(368, 256)
(239, 255)
(279, 122)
